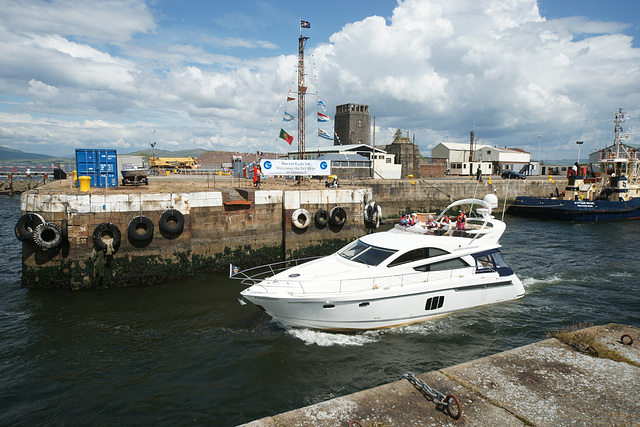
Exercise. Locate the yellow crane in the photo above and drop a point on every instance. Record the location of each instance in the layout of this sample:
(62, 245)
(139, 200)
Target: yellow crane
(173, 162)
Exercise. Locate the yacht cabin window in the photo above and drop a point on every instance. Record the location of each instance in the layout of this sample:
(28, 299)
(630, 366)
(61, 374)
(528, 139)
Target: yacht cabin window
(450, 264)
(416, 255)
(367, 254)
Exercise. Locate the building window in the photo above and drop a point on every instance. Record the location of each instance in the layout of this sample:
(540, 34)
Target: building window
(488, 152)
(359, 123)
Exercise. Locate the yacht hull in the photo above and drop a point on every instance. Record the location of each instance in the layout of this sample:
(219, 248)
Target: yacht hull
(380, 308)
(575, 210)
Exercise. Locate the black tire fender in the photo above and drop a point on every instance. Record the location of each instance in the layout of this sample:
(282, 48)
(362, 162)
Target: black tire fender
(47, 235)
(104, 233)
(140, 229)
(64, 229)
(338, 216)
(26, 225)
(322, 218)
(172, 221)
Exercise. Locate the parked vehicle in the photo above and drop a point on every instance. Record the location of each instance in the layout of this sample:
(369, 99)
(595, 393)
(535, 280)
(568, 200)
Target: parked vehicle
(512, 175)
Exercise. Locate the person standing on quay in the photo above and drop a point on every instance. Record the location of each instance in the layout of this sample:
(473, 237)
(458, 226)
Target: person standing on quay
(256, 176)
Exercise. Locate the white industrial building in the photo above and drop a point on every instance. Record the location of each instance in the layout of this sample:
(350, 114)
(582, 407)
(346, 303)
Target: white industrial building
(490, 160)
(355, 160)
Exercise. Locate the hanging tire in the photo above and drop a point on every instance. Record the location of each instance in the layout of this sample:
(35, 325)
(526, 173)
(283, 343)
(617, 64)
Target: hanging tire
(301, 218)
(47, 235)
(376, 215)
(322, 218)
(368, 212)
(64, 229)
(106, 235)
(372, 215)
(140, 229)
(26, 226)
(338, 216)
(172, 221)
(375, 221)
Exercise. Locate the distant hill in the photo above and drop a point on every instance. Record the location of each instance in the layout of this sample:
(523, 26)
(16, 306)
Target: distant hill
(11, 154)
(194, 152)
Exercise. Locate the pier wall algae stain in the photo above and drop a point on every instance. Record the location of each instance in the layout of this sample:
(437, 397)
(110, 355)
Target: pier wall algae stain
(214, 234)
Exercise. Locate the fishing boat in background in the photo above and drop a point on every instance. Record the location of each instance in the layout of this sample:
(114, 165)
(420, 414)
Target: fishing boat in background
(615, 194)
(392, 278)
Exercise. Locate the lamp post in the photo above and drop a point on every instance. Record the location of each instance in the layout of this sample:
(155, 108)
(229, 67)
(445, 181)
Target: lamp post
(153, 144)
(579, 143)
(539, 136)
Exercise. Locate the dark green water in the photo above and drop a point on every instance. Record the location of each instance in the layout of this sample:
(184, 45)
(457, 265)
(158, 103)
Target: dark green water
(187, 353)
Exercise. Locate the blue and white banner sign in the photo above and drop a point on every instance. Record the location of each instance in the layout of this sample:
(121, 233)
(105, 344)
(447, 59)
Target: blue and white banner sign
(295, 167)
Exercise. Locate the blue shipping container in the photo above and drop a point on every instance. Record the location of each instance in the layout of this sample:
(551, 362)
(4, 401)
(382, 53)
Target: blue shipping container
(100, 165)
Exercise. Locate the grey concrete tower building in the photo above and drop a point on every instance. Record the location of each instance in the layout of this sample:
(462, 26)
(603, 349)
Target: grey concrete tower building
(352, 124)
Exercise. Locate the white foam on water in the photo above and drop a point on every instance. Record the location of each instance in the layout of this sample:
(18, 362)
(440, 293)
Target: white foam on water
(328, 339)
(530, 281)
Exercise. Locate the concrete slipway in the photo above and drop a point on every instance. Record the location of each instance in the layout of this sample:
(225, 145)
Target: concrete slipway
(547, 383)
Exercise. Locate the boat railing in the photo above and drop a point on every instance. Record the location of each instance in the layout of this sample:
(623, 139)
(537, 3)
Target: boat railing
(254, 275)
(345, 286)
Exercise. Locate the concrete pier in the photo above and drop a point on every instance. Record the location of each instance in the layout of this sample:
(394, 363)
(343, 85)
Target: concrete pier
(547, 383)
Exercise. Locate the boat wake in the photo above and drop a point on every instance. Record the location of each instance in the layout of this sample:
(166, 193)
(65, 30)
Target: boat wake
(530, 282)
(328, 339)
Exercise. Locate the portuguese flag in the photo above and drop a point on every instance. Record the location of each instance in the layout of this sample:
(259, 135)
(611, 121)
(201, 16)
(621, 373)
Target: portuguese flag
(286, 136)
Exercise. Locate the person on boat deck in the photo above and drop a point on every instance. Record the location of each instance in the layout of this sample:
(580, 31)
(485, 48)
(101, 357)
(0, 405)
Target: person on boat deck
(461, 221)
(444, 222)
(431, 223)
(414, 219)
(403, 220)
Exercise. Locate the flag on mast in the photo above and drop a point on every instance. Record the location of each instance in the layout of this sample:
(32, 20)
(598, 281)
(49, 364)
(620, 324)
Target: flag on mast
(288, 117)
(324, 134)
(286, 136)
(305, 24)
(323, 117)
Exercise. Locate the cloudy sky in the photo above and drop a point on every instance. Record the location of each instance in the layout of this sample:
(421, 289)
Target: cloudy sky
(215, 74)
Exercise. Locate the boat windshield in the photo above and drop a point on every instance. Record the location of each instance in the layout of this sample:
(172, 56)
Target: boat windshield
(367, 254)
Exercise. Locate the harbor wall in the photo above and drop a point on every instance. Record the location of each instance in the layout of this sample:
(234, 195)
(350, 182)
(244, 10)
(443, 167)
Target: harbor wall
(242, 226)
(430, 195)
(219, 228)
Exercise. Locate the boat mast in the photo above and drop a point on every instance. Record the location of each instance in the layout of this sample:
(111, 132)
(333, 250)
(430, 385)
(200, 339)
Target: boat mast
(618, 120)
(302, 90)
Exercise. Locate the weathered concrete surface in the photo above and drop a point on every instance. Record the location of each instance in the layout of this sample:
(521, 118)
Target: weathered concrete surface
(545, 384)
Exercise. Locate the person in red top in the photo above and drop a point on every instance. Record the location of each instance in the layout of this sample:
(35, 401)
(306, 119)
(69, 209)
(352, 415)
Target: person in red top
(256, 176)
(461, 221)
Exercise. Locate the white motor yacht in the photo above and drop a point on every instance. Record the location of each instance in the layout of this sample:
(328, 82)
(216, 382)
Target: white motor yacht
(386, 279)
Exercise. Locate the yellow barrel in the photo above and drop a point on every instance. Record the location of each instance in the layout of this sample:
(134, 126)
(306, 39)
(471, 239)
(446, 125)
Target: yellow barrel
(75, 176)
(167, 173)
(85, 183)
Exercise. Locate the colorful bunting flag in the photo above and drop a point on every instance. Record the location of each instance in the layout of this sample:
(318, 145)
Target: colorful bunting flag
(323, 117)
(290, 99)
(288, 117)
(286, 136)
(323, 134)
